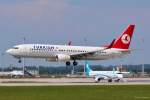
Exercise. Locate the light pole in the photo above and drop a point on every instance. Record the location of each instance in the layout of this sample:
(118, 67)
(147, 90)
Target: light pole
(23, 59)
(38, 70)
(85, 42)
(2, 60)
(143, 67)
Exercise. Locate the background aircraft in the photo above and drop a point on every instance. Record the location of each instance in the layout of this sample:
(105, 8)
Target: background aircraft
(14, 73)
(103, 75)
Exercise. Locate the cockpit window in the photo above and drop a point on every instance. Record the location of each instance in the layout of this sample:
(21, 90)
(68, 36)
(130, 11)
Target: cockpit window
(15, 48)
(119, 73)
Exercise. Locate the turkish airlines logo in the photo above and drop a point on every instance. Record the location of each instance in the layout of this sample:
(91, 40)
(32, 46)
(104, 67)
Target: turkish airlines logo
(125, 38)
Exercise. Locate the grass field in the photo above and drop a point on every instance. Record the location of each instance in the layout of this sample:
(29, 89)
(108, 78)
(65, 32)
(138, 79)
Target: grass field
(120, 92)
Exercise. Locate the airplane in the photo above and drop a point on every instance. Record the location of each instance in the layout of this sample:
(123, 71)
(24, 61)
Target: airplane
(12, 73)
(16, 73)
(104, 75)
(118, 48)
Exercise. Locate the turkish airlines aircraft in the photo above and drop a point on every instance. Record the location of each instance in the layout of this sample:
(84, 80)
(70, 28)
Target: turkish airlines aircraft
(118, 48)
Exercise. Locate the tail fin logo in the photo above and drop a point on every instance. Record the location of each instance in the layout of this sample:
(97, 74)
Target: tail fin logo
(126, 39)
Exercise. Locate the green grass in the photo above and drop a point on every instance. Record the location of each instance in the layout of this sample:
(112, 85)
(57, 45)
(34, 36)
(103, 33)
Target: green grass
(120, 92)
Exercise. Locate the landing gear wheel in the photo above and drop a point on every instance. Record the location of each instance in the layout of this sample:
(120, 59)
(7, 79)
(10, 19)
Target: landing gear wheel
(110, 80)
(118, 80)
(75, 63)
(68, 63)
(99, 79)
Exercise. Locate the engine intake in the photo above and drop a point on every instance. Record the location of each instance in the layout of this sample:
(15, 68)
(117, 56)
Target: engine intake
(51, 59)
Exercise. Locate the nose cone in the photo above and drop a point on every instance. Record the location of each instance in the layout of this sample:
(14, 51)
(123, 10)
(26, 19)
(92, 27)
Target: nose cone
(9, 51)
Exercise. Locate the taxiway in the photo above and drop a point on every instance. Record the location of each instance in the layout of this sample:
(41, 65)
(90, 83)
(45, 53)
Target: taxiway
(69, 81)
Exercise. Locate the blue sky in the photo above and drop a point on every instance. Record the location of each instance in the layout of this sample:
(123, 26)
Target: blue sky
(59, 21)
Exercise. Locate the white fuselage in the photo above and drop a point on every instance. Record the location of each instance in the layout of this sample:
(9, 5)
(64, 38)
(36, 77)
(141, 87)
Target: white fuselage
(106, 74)
(50, 52)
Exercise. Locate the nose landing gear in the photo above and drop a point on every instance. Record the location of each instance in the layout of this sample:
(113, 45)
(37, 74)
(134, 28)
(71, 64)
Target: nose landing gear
(19, 61)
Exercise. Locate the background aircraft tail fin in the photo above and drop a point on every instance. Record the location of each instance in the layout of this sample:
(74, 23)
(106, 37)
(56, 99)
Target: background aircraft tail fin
(87, 68)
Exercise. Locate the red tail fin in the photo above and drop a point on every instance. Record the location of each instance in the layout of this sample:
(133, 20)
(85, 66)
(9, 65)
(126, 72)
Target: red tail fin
(123, 42)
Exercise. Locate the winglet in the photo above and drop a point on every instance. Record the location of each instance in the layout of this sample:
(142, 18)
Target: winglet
(70, 43)
(112, 43)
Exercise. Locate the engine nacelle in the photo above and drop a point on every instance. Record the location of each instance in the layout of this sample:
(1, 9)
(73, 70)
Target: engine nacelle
(99, 78)
(63, 57)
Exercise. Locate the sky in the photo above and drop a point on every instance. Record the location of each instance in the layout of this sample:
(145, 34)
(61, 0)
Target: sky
(60, 21)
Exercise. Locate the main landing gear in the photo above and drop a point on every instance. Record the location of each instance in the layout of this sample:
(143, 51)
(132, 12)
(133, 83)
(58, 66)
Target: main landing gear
(68, 64)
(110, 80)
(74, 63)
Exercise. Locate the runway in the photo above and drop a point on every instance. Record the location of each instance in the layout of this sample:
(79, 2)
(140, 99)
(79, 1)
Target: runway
(69, 81)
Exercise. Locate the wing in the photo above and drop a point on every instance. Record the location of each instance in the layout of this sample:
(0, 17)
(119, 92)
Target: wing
(80, 55)
(102, 76)
(85, 54)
